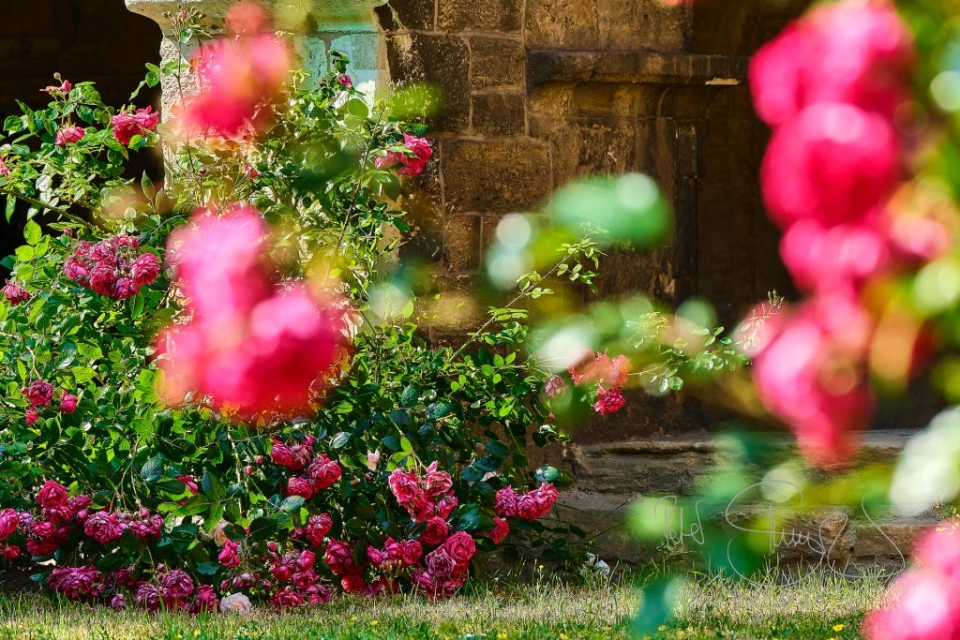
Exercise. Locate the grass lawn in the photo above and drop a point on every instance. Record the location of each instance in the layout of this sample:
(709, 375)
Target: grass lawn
(819, 607)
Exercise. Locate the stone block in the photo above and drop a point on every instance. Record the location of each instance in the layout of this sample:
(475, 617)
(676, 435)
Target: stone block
(461, 243)
(496, 62)
(499, 114)
(495, 175)
(562, 24)
(648, 25)
(440, 60)
(407, 15)
(503, 16)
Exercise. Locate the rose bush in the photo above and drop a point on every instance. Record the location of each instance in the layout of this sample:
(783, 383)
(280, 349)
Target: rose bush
(200, 406)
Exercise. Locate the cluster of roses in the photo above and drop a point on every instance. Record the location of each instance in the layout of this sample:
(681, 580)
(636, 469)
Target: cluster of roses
(40, 394)
(126, 125)
(321, 472)
(246, 346)
(413, 160)
(609, 374)
(112, 267)
(832, 87)
(60, 515)
(172, 590)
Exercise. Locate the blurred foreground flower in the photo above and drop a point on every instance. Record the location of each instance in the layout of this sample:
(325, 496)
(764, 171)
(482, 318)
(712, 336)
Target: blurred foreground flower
(923, 603)
(249, 347)
(240, 76)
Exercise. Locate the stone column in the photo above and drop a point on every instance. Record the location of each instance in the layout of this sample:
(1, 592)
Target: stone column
(348, 26)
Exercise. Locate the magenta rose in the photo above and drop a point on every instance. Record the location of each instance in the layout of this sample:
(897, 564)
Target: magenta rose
(440, 563)
(9, 519)
(317, 527)
(31, 415)
(436, 482)
(149, 597)
(500, 530)
(228, 554)
(339, 557)
(413, 165)
(4, 169)
(608, 401)
(145, 269)
(52, 495)
(176, 584)
(104, 527)
(206, 600)
(39, 393)
(286, 598)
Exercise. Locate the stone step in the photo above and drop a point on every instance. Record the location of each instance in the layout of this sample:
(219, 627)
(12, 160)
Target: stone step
(612, 476)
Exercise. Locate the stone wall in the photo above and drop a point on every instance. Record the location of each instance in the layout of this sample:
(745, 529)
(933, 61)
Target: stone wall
(540, 92)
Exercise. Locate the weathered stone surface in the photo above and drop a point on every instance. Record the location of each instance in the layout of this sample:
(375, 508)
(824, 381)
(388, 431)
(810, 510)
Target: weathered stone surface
(403, 15)
(644, 24)
(461, 243)
(440, 60)
(888, 540)
(633, 67)
(504, 16)
(496, 62)
(562, 24)
(495, 175)
(499, 114)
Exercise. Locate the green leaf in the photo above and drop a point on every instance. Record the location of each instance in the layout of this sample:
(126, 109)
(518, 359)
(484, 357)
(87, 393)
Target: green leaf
(340, 440)
(261, 529)
(212, 486)
(292, 503)
(409, 397)
(32, 233)
(547, 474)
(194, 506)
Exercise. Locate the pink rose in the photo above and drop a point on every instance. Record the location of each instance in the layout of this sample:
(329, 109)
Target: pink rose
(31, 415)
(10, 552)
(14, 293)
(9, 519)
(554, 387)
(68, 402)
(461, 547)
(846, 52)
(69, 135)
(206, 600)
(65, 86)
(52, 495)
(228, 556)
(4, 169)
(145, 269)
(833, 163)
(436, 482)
(505, 502)
(104, 527)
(413, 165)
(286, 598)
(446, 505)
(436, 532)
(440, 563)
(297, 486)
(345, 81)
(339, 557)
(280, 454)
(323, 472)
(190, 482)
(128, 125)
(404, 485)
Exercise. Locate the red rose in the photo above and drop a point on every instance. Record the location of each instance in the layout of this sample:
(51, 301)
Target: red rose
(436, 482)
(69, 135)
(317, 527)
(436, 532)
(14, 293)
(500, 530)
(68, 402)
(39, 393)
(104, 527)
(298, 486)
(353, 583)
(323, 473)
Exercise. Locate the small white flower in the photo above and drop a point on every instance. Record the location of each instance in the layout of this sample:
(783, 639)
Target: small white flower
(236, 603)
(373, 457)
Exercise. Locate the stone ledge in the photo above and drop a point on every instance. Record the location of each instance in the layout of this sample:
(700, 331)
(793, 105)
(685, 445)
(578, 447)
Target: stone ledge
(634, 67)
